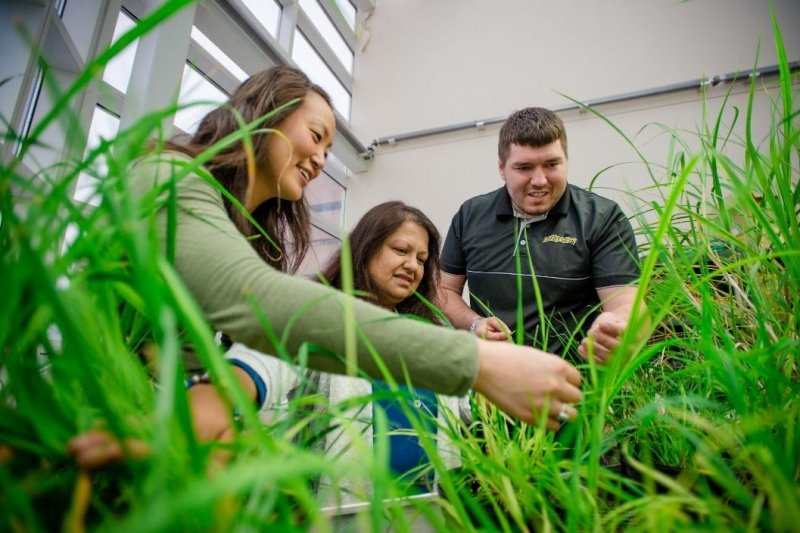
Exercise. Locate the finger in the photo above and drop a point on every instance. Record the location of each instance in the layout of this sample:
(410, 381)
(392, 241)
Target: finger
(99, 455)
(571, 374)
(556, 409)
(606, 340)
(495, 336)
(495, 324)
(614, 331)
(570, 394)
(553, 425)
(591, 349)
(88, 438)
(135, 448)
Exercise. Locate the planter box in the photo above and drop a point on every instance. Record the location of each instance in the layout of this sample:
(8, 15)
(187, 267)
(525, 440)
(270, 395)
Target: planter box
(355, 516)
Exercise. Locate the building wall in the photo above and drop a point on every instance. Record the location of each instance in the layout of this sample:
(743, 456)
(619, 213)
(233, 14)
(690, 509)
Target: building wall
(431, 63)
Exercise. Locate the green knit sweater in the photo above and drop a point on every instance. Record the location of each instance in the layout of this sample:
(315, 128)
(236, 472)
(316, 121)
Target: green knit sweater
(225, 276)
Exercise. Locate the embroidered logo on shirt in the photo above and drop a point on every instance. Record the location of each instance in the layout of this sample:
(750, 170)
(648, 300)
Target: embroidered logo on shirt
(560, 239)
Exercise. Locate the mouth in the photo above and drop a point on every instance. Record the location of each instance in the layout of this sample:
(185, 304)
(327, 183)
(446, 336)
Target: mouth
(537, 194)
(405, 280)
(305, 174)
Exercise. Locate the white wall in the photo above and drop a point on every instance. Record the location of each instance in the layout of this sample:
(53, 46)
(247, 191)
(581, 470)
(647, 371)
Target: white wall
(431, 63)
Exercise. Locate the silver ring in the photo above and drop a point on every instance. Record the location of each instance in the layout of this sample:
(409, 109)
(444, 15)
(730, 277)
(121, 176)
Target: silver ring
(563, 417)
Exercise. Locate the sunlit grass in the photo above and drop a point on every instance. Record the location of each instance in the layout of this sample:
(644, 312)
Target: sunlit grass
(695, 426)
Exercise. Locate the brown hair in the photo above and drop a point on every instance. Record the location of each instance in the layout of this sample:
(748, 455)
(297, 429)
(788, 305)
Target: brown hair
(532, 126)
(287, 223)
(366, 240)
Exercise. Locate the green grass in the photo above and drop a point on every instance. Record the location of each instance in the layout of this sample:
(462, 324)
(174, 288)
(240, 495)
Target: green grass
(696, 427)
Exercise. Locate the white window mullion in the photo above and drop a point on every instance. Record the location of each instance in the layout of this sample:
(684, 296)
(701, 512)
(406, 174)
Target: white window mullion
(338, 20)
(158, 66)
(320, 45)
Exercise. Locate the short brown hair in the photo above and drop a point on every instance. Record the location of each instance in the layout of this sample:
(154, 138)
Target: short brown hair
(532, 126)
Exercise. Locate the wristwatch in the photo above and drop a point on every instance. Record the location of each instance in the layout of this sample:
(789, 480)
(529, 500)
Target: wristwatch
(475, 323)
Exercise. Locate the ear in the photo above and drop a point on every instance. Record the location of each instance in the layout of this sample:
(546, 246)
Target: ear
(500, 168)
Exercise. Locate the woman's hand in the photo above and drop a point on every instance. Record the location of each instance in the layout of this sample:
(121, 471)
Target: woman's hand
(211, 419)
(527, 383)
(98, 448)
(211, 413)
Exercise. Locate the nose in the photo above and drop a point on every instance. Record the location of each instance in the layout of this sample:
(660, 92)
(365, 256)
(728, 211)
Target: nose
(412, 264)
(538, 177)
(318, 160)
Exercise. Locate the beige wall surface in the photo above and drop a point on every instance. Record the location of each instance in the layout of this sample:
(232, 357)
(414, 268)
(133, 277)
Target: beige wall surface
(433, 63)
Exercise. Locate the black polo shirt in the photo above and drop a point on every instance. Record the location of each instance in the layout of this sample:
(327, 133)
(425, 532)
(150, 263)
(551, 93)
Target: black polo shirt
(585, 243)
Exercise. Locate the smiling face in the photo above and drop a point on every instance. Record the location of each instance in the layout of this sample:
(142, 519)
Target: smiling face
(536, 177)
(309, 131)
(398, 266)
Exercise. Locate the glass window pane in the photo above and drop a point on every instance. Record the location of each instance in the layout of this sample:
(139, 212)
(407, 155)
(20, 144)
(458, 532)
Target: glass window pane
(104, 126)
(335, 167)
(118, 70)
(348, 11)
(312, 64)
(267, 12)
(206, 43)
(323, 246)
(326, 198)
(329, 32)
(204, 95)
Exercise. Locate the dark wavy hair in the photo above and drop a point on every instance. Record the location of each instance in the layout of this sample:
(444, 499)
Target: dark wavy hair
(366, 240)
(287, 223)
(532, 126)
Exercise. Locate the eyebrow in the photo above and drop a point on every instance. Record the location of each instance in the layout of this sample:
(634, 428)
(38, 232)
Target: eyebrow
(528, 163)
(320, 124)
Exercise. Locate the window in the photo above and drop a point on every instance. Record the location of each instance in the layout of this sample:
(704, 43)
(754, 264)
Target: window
(323, 246)
(312, 64)
(267, 12)
(348, 11)
(118, 71)
(329, 32)
(206, 44)
(104, 126)
(316, 35)
(203, 96)
(326, 199)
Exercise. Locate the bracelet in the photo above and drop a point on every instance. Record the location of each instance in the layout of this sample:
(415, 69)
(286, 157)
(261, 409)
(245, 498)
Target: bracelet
(196, 379)
(474, 325)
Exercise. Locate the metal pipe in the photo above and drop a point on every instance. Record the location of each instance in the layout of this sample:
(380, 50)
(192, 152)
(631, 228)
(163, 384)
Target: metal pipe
(480, 124)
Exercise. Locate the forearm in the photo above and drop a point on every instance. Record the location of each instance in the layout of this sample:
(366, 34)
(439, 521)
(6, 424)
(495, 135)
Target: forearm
(248, 385)
(276, 313)
(456, 309)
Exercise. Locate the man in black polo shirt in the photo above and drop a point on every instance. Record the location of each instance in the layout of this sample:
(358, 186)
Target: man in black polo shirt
(540, 254)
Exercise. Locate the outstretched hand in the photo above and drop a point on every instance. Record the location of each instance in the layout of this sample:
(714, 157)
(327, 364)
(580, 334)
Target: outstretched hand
(527, 383)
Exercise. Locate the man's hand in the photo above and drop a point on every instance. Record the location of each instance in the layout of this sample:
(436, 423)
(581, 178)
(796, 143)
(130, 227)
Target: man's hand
(493, 329)
(526, 383)
(604, 335)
